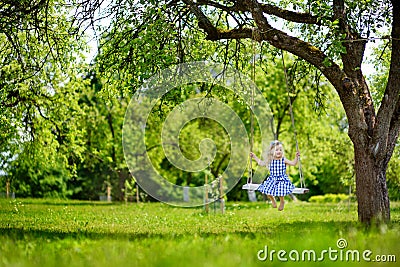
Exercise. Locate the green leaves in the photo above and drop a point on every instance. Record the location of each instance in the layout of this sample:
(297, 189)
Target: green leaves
(39, 78)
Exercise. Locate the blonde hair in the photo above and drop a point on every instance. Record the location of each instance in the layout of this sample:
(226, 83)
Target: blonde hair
(271, 151)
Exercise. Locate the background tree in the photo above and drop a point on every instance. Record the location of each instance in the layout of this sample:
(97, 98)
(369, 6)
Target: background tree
(39, 80)
(103, 161)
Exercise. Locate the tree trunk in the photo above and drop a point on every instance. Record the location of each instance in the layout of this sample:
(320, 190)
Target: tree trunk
(371, 191)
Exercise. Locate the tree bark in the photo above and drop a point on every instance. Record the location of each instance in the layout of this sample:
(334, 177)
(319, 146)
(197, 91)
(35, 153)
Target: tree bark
(371, 192)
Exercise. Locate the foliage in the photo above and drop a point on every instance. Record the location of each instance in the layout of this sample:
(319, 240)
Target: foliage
(38, 57)
(39, 76)
(329, 198)
(393, 175)
(103, 161)
(78, 233)
(50, 146)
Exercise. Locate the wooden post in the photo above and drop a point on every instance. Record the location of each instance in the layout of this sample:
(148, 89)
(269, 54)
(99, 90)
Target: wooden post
(349, 202)
(221, 194)
(8, 188)
(137, 193)
(126, 193)
(108, 193)
(206, 193)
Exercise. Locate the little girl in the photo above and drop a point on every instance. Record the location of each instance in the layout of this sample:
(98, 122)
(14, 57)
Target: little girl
(278, 183)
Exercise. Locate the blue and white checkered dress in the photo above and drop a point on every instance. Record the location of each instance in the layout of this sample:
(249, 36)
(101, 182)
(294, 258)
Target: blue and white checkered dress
(278, 183)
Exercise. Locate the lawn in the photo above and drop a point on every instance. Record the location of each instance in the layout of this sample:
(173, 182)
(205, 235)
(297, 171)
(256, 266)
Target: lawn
(81, 233)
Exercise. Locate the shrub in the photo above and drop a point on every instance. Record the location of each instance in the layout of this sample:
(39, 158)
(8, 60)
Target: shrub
(329, 198)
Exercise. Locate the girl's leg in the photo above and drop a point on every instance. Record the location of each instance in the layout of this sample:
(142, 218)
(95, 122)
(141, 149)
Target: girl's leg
(272, 200)
(281, 203)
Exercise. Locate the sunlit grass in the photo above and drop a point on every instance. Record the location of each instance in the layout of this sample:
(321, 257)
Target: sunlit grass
(80, 233)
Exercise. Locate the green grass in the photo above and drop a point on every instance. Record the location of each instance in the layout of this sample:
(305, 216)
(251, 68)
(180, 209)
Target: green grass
(81, 233)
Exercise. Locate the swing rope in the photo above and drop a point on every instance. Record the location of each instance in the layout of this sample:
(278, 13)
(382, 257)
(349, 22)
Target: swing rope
(253, 77)
(253, 74)
(302, 184)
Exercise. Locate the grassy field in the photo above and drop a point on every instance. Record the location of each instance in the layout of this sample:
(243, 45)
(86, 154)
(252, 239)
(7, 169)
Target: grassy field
(79, 233)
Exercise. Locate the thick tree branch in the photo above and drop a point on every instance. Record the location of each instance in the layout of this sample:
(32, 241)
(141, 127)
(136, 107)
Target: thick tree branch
(288, 15)
(392, 93)
(355, 47)
(393, 134)
(238, 6)
(243, 33)
(204, 22)
(266, 32)
(388, 117)
(359, 109)
(349, 81)
(296, 46)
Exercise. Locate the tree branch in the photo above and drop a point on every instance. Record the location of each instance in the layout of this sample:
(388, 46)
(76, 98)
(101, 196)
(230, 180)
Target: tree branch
(288, 15)
(204, 22)
(359, 107)
(393, 133)
(349, 83)
(266, 32)
(238, 6)
(353, 57)
(295, 45)
(280, 40)
(389, 112)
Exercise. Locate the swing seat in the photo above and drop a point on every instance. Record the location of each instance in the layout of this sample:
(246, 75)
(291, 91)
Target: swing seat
(300, 190)
(250, 186)
(297, 190)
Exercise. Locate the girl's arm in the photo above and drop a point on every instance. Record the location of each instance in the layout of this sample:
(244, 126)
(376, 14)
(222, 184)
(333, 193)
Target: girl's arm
(259, 161)
(293, 162)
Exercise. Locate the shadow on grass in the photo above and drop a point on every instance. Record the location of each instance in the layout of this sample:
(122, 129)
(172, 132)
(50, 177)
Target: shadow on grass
(49, 202)
(312, 229)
